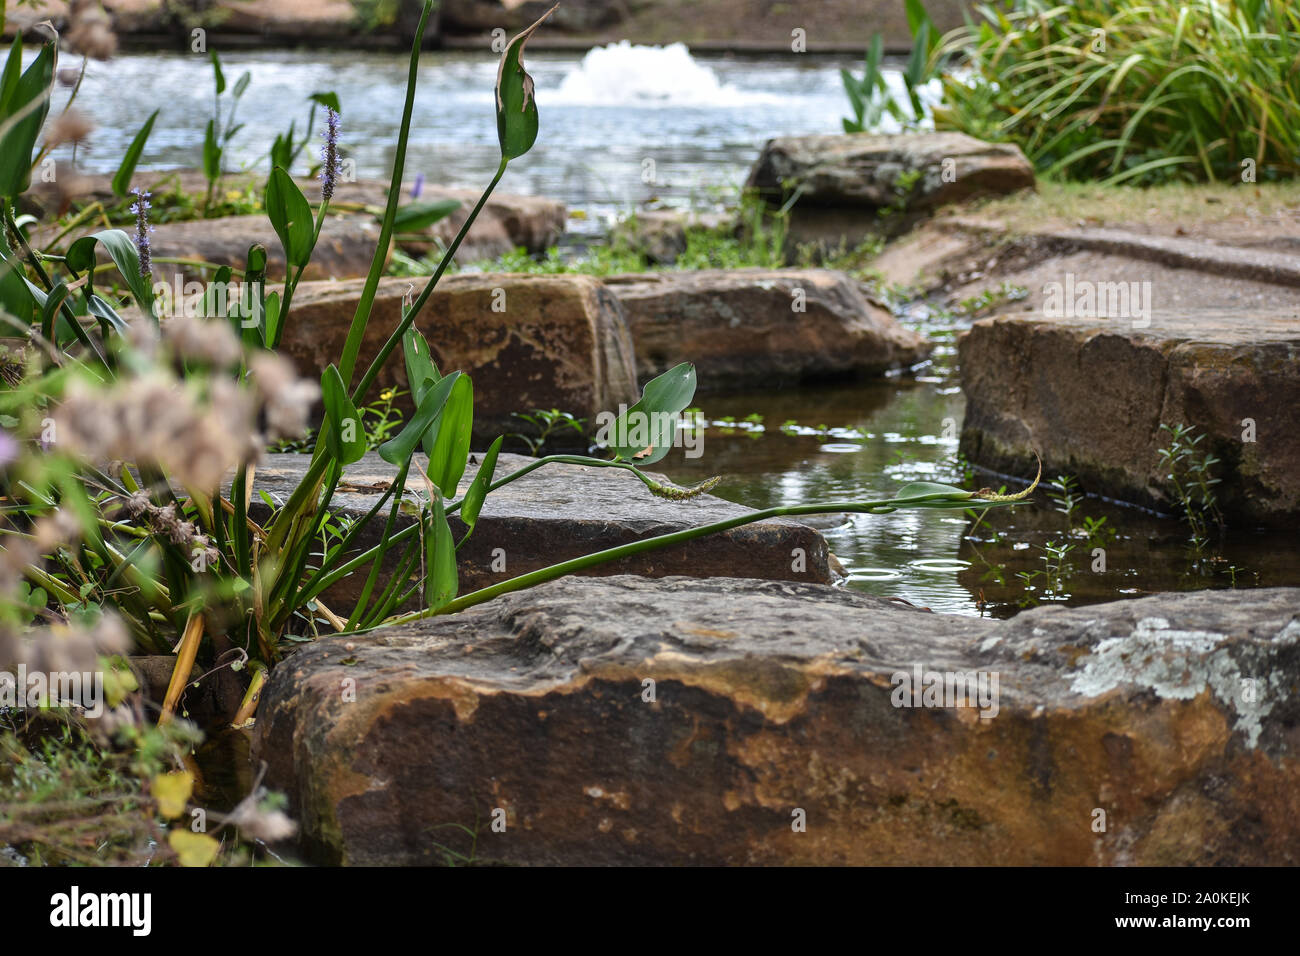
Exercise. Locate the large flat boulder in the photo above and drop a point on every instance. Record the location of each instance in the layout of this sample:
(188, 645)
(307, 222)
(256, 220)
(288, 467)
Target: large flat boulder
(724, 721)
(757, 327)
(845, 182)
(563, 511)
(528, 341)
(1089, 395)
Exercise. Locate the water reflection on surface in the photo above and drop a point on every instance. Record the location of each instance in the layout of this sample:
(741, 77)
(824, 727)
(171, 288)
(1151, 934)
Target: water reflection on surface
(934, 558)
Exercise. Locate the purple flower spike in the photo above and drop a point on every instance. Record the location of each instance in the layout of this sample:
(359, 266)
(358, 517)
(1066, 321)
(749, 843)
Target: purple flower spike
(417, 187)
(141, 209)
(329, 155)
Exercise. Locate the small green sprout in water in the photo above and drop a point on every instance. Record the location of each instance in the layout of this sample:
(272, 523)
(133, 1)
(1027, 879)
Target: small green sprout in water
(1056, 568)
(1191, 477)
(1064, 491)
(548, 422)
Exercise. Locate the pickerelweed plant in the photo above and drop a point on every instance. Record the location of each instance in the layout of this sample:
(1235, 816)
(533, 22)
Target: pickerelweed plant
(136, 442)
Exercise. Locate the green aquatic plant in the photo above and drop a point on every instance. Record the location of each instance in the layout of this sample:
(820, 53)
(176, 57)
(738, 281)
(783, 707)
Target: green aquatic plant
(167, 541)
(869, 95)
(1136, 91)
(1064, 492)
(1190, 473)
(546, 423)
(1051, 577)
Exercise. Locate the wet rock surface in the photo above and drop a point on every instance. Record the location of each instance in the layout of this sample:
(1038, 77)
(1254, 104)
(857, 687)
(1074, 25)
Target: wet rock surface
(679, 721)
(845, 182)
(563, 511)
(528, 342)
(1089, 395)
(756, 327)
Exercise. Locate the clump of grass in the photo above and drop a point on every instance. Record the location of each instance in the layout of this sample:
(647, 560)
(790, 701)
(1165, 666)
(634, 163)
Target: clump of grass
(1132, 90)
(1191, 478)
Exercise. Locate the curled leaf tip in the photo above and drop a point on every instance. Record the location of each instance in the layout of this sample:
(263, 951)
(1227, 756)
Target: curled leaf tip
(987, 494)
(519, 41)
(674, 493)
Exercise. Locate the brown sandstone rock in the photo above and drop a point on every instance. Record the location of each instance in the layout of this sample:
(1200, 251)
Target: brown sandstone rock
(1089, 395)
(772, 698)
(552, 342)
(845, 181)
(563, 511)
(741, 328)
(343, 251)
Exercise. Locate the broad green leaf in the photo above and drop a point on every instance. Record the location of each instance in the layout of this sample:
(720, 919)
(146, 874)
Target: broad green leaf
(421, 373)
(872, 77)
(249, 315)
(645, 432)
(398, 449)
(328, 99)
(419, 216)
(282, 148)
(346, 436)
(50, 311)
(24, 103)
(447, 440)
(918, 21)
(106, 314)
(121, 249)
(217, 75)
(478, 489)
(271, 314)
(290, 217)
(914, 77)
(440, 581)
(516, 108)
(918, 489)
(16, 298)
(122, 179)
(211, 153)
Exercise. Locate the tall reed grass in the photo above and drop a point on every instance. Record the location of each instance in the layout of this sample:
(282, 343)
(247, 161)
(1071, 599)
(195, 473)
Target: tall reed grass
(1137, 91)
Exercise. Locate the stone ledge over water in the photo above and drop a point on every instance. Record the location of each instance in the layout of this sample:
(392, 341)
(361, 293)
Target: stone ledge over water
(1175, 716)
(762, 327)
(563, 511)
(1089, 395)
(852, 186)
(528, 341)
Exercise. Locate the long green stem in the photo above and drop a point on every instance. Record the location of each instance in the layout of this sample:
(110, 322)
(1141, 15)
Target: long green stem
(541, 575)
(373, 577)
(327, 576)
(395, 339)
(352, 347)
